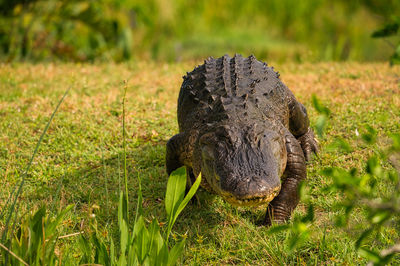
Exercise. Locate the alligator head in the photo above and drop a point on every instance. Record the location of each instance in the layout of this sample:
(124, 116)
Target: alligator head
(242, 164)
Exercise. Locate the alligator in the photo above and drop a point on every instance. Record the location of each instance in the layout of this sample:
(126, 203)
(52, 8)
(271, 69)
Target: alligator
(245, 132)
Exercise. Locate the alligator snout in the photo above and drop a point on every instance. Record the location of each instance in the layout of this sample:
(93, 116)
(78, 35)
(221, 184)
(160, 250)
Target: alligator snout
(251, 191)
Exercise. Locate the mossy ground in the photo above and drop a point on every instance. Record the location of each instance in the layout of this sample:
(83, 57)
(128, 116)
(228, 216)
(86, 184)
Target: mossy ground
(80, 159)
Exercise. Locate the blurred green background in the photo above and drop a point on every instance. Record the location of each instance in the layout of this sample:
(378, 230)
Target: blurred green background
(118, 30)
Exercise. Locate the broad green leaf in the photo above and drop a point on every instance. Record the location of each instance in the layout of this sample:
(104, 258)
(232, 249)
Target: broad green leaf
(154, 238)
(113, 259)
(188, 197)
(141, 243)
(365, 234)
(122, 260)
(132, 254)
(162, 258)
(380, 217)
(124, 233)
(396, 141)
(321, 124)
(183, 203)
(176, 252)
(343, 145)
(36, 230)
(387, 30)
(38, 217)
(175, 190)
(373, 166)
(341, 220)
(156, 243)
(138, 226)
(319, 107)
(395, 58)
(369, 254)
(370, 136)
(304, 192)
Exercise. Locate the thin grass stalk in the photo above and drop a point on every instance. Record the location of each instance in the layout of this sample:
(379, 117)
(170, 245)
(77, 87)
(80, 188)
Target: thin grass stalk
(13, 254)
(12, 209)
(140, 198)
(44, 239)
(119, 173)
(14, 224)
(105, 183)
(124, 143)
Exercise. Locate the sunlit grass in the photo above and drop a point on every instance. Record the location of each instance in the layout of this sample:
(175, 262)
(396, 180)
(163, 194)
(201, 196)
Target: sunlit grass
(82, 152)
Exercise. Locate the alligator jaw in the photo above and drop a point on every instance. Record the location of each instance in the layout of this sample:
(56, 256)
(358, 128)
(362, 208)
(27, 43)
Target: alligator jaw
(254, 201)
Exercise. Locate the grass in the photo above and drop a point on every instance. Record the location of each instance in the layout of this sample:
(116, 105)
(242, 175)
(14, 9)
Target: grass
(81, 151)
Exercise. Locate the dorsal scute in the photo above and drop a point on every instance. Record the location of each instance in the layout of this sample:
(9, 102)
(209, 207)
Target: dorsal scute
(231, 84)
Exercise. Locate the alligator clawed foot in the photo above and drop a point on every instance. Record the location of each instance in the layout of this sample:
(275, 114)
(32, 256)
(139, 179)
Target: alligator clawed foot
(309, 144)
(275, 217)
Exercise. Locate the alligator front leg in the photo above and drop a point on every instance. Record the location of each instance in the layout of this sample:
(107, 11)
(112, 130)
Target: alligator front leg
(176, 152)
(299, 125)
(282, 206)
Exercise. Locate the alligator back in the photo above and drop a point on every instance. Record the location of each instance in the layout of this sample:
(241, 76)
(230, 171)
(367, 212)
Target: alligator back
(235, 89)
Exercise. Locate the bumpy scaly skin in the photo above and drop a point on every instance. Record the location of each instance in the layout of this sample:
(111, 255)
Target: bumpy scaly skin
(243, 129)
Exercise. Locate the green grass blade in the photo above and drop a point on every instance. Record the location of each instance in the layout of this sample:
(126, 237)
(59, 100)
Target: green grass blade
(105, 181)
(124, 142)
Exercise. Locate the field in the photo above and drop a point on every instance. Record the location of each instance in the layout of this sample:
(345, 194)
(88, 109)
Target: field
(80, 159)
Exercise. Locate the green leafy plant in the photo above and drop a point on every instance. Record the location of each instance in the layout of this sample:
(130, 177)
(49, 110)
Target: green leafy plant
(359, 193)
(82, 30)
(391, 30)
(35, 238)
(139, 244)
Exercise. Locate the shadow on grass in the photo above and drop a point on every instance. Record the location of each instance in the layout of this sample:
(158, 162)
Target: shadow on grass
(94, 190)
